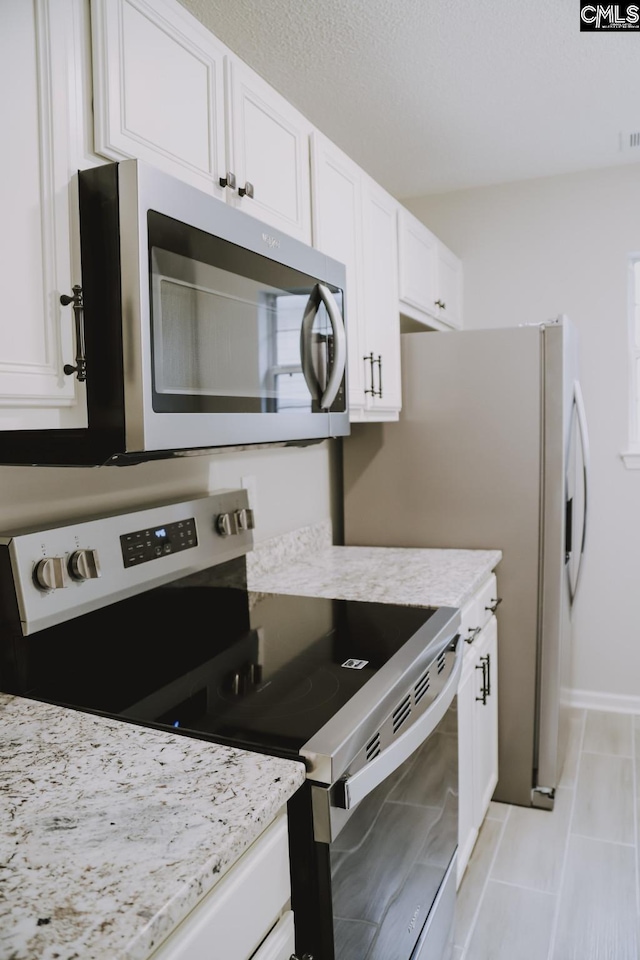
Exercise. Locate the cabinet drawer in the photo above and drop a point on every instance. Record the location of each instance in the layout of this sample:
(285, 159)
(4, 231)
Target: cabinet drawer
(486, 600)
(280, 943)
(478, 611)
(236, 915)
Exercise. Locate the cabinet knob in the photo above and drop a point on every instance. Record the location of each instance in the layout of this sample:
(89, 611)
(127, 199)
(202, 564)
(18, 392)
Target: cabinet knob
(229, 180)
(246, 191)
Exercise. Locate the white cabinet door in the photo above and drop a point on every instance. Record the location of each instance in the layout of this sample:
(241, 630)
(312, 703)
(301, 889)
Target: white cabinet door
(380, 300)
(417, 255)
(486, 720)
(38, 63)
(430, 276)
(449, 274)
(167, 91)
(159, 89)
(354, 221)
(477, 717)
(337, 231)
(268, 153)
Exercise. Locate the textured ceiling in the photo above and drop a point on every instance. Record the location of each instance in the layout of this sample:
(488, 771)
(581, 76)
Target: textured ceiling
(437, 95)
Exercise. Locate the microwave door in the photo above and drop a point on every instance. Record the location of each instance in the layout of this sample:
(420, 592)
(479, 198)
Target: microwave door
(323, 355)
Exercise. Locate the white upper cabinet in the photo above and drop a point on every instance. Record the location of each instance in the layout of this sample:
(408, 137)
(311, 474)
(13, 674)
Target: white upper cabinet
(337, 231)
(430, 275)
(168, 92)
(159, 90)
(268, 153)
(449, 286)
(39, 75)
(380, 301)
(354, 221)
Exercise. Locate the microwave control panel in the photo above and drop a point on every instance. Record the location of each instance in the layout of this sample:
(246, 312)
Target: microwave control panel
(155, 542)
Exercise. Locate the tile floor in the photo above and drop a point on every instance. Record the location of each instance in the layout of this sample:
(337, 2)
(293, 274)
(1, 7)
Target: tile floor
(562, 885)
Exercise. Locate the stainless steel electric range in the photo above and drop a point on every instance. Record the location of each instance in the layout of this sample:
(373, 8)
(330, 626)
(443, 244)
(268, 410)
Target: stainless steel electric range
(145, 615)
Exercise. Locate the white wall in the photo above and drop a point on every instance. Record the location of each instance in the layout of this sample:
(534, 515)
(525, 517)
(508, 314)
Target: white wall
(289, 487)
(532, 250)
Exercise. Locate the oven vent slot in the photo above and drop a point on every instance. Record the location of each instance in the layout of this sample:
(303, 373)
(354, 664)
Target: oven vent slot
(401, 713)
(442, 661)
(421, 687)
(373, 747)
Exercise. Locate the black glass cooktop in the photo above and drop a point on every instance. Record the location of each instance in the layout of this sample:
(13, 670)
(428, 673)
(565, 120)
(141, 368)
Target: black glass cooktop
(200, 661)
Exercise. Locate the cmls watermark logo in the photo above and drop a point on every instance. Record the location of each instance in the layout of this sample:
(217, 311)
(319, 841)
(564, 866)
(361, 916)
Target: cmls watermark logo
(609, 16)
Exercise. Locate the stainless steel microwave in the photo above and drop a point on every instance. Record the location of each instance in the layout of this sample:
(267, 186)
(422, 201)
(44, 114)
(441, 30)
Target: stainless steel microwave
(202, 327)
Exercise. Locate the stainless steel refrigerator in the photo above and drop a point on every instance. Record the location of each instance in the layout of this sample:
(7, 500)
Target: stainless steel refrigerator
(491, 452)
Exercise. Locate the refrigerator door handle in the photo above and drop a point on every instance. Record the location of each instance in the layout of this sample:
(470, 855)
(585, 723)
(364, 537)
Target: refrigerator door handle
(584, 443)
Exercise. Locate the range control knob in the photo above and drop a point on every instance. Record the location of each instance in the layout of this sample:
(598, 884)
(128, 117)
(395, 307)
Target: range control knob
(244, 518)
(84, 565)
(50, 573)
(226, 524)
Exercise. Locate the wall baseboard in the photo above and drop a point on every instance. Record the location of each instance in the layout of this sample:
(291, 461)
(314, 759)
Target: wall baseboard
(613, 702)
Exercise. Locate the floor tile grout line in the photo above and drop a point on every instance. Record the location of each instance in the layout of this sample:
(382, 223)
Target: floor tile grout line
(611, 843)
(563, 868)
(522, 886)
(485, 884)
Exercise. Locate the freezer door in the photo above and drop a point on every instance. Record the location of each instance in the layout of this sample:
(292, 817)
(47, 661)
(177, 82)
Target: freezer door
(565, 459)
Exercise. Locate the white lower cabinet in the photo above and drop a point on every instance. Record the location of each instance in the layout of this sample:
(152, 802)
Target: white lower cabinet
(246, 916)
(477, 718)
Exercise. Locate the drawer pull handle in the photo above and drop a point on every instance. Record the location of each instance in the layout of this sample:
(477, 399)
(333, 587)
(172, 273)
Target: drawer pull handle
(494, 604)
(473, 633)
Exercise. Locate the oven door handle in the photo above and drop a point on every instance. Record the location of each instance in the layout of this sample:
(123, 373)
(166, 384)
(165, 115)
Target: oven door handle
(355, 788)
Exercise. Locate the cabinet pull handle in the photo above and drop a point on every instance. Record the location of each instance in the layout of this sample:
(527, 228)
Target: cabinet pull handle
(484, 691)
(440, 303)
(473, 633)
(305, 956)
(229, 180)
(488, 674)
(80, 368)
(378, 393)
(246, 191)
(369, 357)
(494, 603)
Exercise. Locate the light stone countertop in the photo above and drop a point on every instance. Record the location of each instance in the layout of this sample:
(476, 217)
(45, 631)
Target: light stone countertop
(110, 833)
(305, 563)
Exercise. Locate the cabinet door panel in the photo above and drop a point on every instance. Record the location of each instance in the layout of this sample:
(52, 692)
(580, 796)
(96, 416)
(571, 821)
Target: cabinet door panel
(380, 297)
(36, 337)
(337, 219)
(417, 263)
(486, 724)
(268, 148)
(159, 91)
(449, 286)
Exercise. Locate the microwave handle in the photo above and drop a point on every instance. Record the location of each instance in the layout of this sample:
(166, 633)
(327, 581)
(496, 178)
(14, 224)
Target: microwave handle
(322, 294)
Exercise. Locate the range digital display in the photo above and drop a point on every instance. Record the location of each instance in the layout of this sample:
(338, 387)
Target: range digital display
(156, 542)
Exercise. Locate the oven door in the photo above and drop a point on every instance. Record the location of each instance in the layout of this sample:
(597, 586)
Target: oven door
(393, 843)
